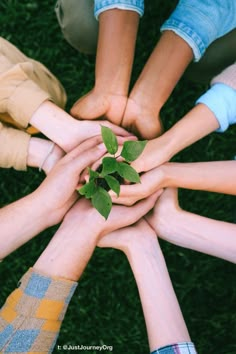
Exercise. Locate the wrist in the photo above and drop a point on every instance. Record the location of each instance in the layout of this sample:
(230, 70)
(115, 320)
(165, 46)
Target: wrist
(37, 151)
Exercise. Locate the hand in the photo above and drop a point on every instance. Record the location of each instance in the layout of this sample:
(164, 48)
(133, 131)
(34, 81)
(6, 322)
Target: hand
(85, 218)
(138, 236)
(163, 218)
(156, 152)
(151, 182)
(96, 105)
(57, 192)
(141, 120)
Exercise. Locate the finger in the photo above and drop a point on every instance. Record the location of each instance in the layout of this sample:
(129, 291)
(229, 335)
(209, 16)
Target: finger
(86, 145)
(116, 129)
(86, 158)
(129, 215)
(129, 194)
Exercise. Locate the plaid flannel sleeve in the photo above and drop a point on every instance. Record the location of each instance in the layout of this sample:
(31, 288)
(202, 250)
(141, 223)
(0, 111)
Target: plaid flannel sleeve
(32, 315)
(179, 348)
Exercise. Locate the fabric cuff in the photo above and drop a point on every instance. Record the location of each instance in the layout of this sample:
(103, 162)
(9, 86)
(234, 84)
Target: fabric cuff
(14, 148)
(180, 348)
(187, 34)
(200, 22)
(227, 77)
(131, 5)
(220, 99)
(24, 101)
(42, 296)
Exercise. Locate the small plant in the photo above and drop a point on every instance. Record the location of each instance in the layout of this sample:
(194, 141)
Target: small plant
(111, 173)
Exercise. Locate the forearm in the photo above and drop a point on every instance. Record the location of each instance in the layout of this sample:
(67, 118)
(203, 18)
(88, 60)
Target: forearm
(164, 320)
(213, 237)
(68, 253)
(195, 125)
(115, 52)
(30, 218)
(162, 71)
(56, 124)
(217, 176)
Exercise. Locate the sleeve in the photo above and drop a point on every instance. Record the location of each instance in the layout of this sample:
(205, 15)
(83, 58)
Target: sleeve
(14, 148)
(32, 315)
(200, 22)
(221, 98)
(25, 84)
(104, 5)
(180, 348)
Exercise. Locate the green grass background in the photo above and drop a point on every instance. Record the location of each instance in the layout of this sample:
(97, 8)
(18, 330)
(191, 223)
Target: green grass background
(106, 307)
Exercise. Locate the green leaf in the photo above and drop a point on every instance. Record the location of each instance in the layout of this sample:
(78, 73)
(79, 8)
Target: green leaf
(93, 174)
(132, 149)
(128, 172)
(101, 200)
(89, 189)
(109, 140)
(113, 184)
(109, 165)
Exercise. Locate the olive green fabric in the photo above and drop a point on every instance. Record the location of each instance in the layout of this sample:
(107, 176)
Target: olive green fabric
(78, 25)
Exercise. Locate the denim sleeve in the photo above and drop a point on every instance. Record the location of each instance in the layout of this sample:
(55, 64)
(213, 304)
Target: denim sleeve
(200, 22)
(221, 100)
(103, 5)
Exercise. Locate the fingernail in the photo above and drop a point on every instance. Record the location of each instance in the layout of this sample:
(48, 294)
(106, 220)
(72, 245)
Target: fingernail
(101, 146)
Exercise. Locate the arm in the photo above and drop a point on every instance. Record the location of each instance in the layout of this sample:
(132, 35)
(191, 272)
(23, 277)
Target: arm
(114, 60)
(30, 94)
(213, 237)
(164, 320)
(216, 177)
(182, 41)
(161, 73)
(49, 203)
(196, 124)
(45, 291)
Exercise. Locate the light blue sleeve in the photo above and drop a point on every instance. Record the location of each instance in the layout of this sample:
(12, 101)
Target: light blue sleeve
(200, 22)
(103, 5)
(221, 100)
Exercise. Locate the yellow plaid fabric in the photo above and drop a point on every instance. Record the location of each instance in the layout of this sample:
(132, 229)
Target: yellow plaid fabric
(31, 317)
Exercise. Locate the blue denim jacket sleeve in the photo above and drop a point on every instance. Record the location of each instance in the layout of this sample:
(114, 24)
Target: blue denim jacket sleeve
(200, 22)
(103, 5)
(221, 100)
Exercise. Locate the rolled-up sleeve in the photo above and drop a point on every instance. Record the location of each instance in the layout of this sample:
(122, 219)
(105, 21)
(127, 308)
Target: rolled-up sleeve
(14, 148)
(221, 97)
(25, 84)
(200, 22)
(132, 5)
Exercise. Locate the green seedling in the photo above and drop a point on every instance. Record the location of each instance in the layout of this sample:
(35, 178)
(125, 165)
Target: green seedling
(112, 173)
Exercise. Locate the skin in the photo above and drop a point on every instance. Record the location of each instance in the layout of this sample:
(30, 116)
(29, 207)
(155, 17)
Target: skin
(190, 230)
(216, 177)
(164, 320)
(48, 204)
(72, 246)
(157, 80)
(114, 60)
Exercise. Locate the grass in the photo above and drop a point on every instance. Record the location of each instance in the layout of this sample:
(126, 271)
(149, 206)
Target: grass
(106, 307)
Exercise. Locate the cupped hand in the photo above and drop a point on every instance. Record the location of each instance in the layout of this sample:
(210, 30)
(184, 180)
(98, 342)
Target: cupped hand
(141, 120)
(57, 192)
(163, 217)
(155, 153)
(86, 218)
(96, 104)
(150, 182)
(138, 236)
